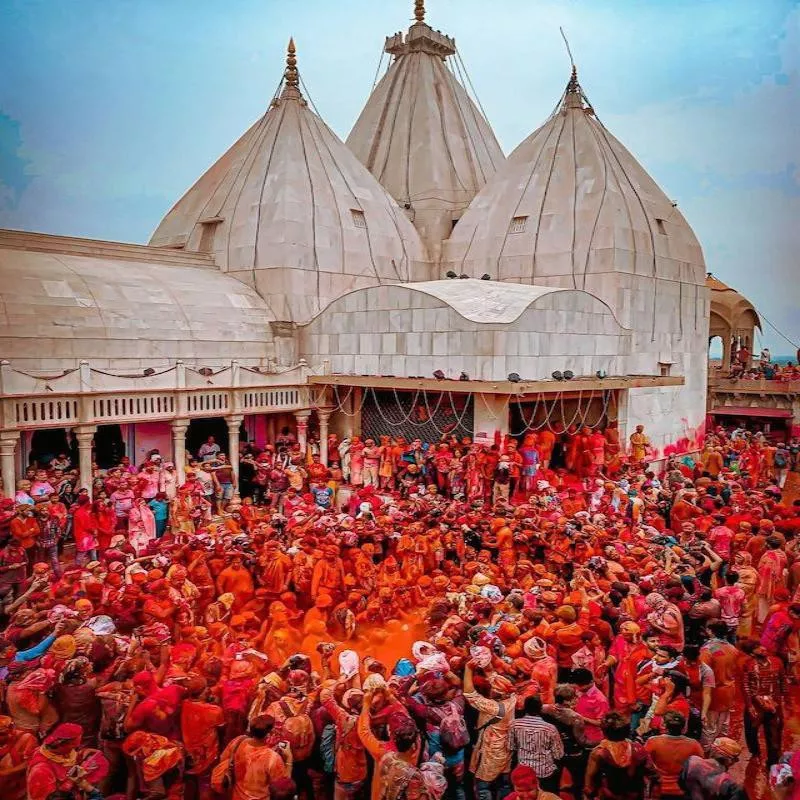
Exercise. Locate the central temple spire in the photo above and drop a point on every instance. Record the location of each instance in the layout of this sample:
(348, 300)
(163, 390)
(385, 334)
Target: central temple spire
(419, 11)
(291, 75)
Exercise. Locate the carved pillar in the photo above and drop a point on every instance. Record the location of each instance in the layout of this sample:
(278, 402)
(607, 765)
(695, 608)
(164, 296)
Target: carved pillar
(179, 428)
(323, 415)
(301, 418)
(8, 447)
(726, 353)
(234, 421)
(84, 434)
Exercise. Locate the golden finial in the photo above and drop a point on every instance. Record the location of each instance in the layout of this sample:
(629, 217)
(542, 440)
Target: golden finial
(419, 10)
(290, 75)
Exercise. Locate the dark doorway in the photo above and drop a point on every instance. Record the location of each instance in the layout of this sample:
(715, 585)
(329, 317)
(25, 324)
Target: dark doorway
(47, 444)
(109, 447)
(200, 429)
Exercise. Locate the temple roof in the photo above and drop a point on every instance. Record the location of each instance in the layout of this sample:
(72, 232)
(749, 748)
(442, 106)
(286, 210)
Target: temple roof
(420, 133)
(289, 210)
(571, 201)
(64, 299)
(734, 308)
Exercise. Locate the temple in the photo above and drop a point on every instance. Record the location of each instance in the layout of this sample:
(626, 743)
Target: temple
(409, 281)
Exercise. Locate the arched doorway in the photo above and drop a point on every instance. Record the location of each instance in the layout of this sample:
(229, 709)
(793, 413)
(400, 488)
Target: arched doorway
(716, 352)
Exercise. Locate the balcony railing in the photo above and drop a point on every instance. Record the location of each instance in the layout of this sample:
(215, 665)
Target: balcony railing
(94, 397)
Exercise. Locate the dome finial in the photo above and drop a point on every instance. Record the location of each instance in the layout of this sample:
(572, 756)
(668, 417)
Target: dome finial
(419, 11)
(291, 76)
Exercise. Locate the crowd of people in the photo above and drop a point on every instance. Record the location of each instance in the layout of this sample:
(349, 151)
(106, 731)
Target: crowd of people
(745, 367)
(526, 619)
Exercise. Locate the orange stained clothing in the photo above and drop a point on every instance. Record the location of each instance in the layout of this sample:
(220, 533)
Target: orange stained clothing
(351, 757)
(255, 768)
(199, 723)
(328, 575)
(25, 531)
(276, 569)
(567, 641)
(723, 658)
(238, 582)
(669, 753)
(545, 672)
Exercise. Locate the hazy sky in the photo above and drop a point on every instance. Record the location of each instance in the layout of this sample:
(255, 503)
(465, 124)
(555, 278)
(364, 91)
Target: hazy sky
(110, 109)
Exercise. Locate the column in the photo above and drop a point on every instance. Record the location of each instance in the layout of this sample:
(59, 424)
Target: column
(85, 436)
(8, 447)
(179, 428)
(323, 415)
(301, 418)
(233, 422)
(726, 354)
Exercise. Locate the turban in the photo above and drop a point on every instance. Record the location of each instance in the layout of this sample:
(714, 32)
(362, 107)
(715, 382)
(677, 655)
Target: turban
(66, 732)
(63, 647)
(566, 613)
(422, 649)
(374, 682)
(507, 632)
(323, 601)
(535, 648)
(83, 605)
(725, 748)
(348, 663)
(492, 593)
(524, 779)
(482, 656)
(501, 684)
(630, 628)
(351, 696)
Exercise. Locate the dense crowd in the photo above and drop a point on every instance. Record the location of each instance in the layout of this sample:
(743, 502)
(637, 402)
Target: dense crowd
(745, 367)
(526, 619)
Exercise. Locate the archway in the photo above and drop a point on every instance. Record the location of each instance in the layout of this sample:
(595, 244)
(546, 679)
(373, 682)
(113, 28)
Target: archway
(716, 352)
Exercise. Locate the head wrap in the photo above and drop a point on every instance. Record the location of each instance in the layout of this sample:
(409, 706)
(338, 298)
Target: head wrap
(351, 696)
(65, 732)
(535, 648)
(723, 747)
(523, 779)
(566, 613)
(63, 647)
(501, 684)
(403, 668)
(482, 656)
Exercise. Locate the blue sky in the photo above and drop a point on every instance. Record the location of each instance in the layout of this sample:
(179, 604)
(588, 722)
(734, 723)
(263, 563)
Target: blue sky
(110, 109)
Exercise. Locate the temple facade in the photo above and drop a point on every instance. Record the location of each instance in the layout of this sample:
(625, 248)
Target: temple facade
(410, 280)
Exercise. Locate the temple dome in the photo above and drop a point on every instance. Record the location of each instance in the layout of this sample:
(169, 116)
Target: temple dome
(290, 211)
(422, 136)
(570, 205)
(122, 305)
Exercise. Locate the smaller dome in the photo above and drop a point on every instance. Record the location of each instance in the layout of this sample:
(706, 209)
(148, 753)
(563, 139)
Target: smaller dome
(734, 309)
(65, 299)
(571, 204)
(291, 211)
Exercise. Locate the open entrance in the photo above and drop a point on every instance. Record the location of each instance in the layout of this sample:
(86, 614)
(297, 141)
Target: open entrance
(109, 446)
(201, 429)
(715, 352)
(561, 413)
(50, 443)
